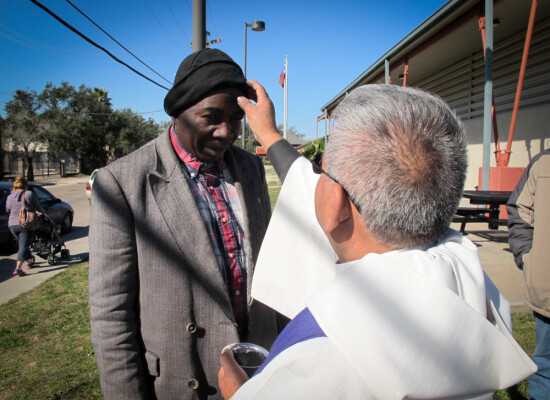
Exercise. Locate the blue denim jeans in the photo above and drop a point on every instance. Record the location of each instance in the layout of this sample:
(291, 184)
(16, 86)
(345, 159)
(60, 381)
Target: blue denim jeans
(539, 383)
(24, 238)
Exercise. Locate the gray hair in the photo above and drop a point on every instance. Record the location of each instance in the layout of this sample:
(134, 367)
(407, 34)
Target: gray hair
(401, 154)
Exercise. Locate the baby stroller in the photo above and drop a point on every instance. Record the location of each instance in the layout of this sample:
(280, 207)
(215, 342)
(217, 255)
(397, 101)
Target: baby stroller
(47, 242)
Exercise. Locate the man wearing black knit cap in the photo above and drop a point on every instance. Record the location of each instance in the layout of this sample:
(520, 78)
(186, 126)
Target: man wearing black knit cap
(175, 230)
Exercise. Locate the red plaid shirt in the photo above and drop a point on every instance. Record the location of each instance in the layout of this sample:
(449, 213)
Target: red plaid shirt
(219, 205)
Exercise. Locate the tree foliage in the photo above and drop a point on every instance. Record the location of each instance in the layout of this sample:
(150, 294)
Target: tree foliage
(81, 117)
(76, 121)
(290, 130)
(25, 126)
(251, 142)
(128, 131)
(315, 147)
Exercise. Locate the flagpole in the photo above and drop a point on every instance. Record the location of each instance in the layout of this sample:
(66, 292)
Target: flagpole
(286, 97)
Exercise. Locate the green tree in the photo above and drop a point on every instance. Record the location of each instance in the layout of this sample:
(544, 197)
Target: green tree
(87, 124)
(82, 119)
(164, 125)
(315, 147)
(74, 121)
(127, 132)
(59, 113)
(290, 130)
(2, 125)
(91, 122)
(26, 127)
(251, 142)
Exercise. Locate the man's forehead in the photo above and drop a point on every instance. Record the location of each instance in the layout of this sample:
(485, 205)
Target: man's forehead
(231, 90)
(219, 98)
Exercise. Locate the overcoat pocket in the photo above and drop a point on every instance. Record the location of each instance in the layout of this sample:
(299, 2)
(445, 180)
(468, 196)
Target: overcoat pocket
(153, 363)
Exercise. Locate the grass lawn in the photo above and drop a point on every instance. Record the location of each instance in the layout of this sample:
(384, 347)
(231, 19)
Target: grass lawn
(273, 189)
(524, 333)
(45, 350)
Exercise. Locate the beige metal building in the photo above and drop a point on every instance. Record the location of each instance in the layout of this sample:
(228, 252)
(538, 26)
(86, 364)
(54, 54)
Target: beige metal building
(445, 55)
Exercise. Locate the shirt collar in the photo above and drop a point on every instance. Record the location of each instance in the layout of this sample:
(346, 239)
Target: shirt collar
(193, 165)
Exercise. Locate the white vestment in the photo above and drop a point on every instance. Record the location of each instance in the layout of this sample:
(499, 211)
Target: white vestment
(412, 323)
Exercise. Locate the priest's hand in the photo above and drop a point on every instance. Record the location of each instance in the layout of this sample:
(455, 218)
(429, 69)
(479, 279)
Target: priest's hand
(230, 376)
(261, 116)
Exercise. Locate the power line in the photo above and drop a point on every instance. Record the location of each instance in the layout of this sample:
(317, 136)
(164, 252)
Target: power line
(35, 2)
(212, 18)
(116, 41)
(149, 112)
(33, 44)
(162, 26)
(177, 21)
(121, 112)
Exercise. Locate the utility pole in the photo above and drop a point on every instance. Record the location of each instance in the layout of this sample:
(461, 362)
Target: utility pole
(488, 91)
(199, 25)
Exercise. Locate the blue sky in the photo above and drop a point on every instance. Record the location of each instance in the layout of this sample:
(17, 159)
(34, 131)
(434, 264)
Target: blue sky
(328, 45)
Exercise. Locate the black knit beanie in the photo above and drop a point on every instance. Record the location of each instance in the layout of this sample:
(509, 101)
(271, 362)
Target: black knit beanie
(198, 74)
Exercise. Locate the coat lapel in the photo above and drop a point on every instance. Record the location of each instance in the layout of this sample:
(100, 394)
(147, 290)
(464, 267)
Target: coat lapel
(175, 202)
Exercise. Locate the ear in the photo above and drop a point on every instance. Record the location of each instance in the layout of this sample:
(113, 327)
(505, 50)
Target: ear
(174, 119)
(335, 208)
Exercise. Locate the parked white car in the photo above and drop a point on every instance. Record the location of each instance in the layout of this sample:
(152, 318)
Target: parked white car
(90, 184)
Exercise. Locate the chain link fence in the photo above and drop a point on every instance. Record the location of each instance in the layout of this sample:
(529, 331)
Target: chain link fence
(44, 164)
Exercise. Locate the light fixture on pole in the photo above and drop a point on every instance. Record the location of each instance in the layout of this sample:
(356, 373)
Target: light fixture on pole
(257, 26)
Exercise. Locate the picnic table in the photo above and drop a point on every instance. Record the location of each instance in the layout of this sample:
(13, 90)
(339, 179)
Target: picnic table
(490, 200)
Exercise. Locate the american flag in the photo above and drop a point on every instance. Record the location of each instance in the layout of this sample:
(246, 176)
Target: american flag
(282, 79)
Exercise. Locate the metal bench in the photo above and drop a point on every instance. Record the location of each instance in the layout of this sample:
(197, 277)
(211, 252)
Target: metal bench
(471, 214)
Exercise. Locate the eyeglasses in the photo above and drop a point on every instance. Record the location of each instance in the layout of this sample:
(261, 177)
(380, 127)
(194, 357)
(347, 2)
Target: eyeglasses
(316, 162)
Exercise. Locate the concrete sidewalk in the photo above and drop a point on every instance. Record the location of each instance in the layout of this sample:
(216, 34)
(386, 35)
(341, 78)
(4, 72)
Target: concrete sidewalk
(498, 262)
(76, 241)
(58, 180)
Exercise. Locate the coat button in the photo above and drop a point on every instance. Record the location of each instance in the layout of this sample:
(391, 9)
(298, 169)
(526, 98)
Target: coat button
(193, 384)
(191, 328)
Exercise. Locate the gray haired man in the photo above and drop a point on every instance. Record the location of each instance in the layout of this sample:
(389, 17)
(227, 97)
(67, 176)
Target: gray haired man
(406, 310)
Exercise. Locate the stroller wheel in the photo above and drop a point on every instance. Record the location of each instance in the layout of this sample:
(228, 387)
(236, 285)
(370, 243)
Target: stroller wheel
(51, 260)
(65, 253)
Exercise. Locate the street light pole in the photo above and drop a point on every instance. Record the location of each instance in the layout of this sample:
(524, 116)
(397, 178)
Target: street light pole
(246, 25)
(257, 26)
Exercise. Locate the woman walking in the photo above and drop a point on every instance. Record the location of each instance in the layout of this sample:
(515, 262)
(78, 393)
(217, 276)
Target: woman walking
(14, 202)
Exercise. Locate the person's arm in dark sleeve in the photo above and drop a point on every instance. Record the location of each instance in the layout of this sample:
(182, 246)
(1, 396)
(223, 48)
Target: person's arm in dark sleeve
(282, 155)
(32, 199)
(521, 216)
